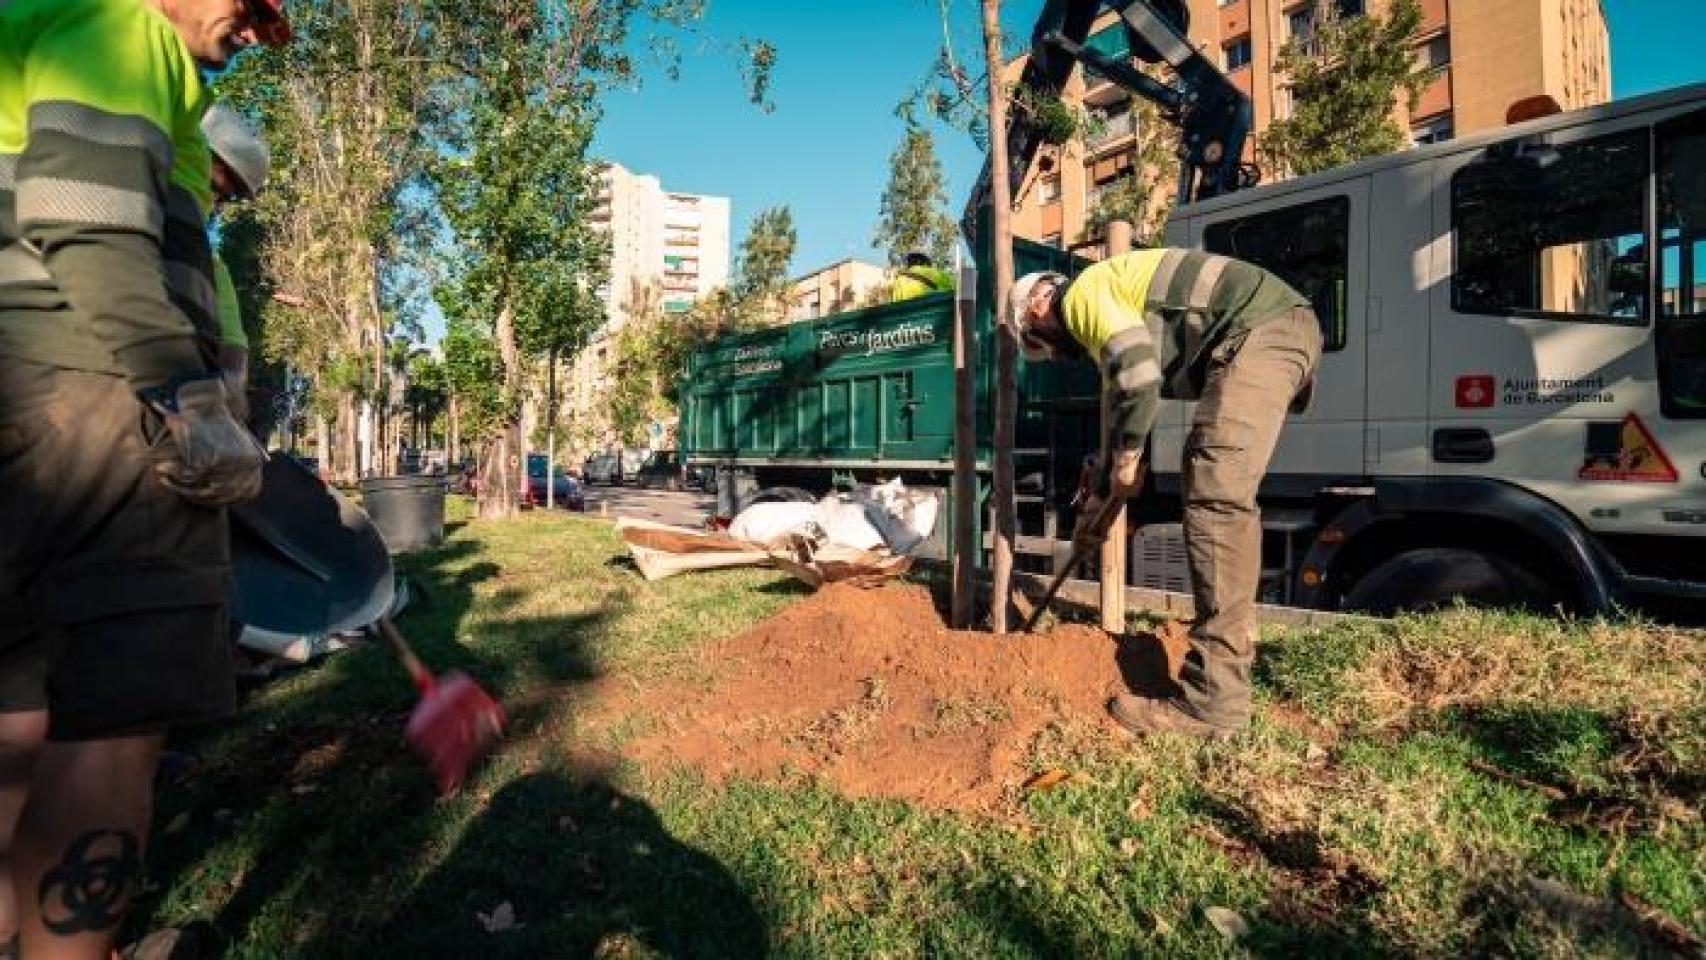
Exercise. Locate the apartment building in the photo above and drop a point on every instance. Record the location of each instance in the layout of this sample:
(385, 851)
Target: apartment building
(1483, 56)
(840, 286)
(679, 241)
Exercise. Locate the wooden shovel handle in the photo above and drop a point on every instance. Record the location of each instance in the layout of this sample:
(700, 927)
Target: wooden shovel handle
(418, 671)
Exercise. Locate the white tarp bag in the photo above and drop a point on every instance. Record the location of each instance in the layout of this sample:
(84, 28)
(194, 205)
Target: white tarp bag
(905, 518)
(765, 522)
(846, 520)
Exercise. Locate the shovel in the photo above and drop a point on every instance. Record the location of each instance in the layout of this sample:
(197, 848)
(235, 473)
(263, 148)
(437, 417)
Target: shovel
(455, 722)
(1080, 552)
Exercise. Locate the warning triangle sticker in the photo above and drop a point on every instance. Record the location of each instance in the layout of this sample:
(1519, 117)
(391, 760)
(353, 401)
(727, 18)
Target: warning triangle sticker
(1625, 452)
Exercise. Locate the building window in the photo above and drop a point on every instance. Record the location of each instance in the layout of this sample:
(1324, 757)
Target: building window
(1554, 231)
(1300, 23)
(1307, 246)
(1351, 8)
(1237, 53)
(1437, 130)
(1434, 53)
(1048, 191)
(1052, 240)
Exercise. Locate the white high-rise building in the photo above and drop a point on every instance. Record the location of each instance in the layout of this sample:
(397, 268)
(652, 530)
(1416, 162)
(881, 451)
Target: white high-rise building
(678, 240)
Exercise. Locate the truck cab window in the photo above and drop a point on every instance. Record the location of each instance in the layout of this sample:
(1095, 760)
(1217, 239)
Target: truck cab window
(1681, 337)
(1553, 230)
(1307, 246)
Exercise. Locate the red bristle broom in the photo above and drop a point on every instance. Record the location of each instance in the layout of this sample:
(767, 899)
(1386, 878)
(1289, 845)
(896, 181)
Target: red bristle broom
(454, 724)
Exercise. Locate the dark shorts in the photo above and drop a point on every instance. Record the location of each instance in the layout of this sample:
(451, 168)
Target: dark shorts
(114, 592)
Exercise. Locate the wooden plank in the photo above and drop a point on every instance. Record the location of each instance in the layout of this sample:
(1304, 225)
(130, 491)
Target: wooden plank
(1115, 559)
(1087, 594)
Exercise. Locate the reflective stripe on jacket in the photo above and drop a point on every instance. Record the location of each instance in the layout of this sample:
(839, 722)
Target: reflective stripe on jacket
(105, 263)
(1151, 318)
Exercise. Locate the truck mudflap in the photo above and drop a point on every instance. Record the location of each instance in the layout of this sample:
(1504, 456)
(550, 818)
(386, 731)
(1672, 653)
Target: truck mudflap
(1597, 580)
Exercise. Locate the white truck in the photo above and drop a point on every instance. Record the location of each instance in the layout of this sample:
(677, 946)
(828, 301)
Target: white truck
(1511, 406)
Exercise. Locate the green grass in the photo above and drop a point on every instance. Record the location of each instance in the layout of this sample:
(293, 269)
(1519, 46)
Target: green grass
(1412, 788)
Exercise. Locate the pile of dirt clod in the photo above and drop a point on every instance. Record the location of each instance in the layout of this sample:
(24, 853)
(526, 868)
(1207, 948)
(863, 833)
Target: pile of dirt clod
(871, 691)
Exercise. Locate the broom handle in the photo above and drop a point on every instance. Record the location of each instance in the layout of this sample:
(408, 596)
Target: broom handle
(418, 671)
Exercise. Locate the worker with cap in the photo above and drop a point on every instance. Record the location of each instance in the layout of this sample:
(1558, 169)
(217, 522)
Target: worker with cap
(920, 276)
(240, 165)
(1187, 325)
(118, 450)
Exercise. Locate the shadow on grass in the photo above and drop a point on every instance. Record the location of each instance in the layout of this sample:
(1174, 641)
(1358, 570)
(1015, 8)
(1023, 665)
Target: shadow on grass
(587, 870)
(313, 831)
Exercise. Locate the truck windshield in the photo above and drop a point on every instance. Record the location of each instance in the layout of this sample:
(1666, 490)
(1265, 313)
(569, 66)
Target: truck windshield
(1682, 267)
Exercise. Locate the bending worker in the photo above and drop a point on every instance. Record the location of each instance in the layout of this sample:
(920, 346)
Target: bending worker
(118, 450)
(1188, 325)
(920, 276)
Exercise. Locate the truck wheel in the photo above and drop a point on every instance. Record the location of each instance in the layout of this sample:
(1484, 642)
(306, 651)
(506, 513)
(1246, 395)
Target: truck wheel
(1435, 576)
(776, 495)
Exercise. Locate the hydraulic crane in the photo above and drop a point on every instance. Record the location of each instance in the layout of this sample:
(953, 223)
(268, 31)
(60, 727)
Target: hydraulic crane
(1213, 116)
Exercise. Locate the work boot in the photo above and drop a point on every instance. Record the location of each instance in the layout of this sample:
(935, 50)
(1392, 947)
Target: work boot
(1145, 716)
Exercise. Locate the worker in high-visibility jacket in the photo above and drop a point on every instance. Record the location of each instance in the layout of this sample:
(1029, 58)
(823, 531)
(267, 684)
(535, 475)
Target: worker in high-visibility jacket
(118, 450)
(920, 276)
(240, 165)
(1193, 326)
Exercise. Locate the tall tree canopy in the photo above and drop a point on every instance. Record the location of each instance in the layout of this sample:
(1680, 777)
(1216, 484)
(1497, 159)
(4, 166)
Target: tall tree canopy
(912, 216)
(761, 273)
(1345, 77)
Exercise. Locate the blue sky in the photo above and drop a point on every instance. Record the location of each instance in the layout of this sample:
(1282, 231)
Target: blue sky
(842, 68)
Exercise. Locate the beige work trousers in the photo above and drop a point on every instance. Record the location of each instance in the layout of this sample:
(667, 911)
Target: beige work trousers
(1251, 381)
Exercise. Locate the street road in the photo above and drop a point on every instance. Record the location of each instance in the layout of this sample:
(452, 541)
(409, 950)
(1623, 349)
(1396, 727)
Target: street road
(685, 509)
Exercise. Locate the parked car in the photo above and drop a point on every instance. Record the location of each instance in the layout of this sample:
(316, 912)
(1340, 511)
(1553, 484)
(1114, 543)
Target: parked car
(566, 491)
(662, 470)
(602, 468)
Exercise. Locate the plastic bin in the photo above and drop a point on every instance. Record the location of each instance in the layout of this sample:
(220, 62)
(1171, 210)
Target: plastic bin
(409, 511)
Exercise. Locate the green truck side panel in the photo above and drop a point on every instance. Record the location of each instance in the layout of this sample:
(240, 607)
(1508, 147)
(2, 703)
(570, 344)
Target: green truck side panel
(872, 386)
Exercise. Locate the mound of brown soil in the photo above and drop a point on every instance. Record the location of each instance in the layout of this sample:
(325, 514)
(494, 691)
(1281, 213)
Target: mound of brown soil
(871, 691)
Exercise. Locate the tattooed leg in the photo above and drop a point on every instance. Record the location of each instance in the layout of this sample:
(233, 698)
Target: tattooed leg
(21, 736)
(81, 844)
(85, 892)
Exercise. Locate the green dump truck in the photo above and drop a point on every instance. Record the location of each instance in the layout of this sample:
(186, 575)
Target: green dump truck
(868, 395)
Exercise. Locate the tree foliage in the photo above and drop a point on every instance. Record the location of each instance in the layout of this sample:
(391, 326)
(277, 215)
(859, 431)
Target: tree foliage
(761, 270)
(1345, 77)
(438, 145)
(912, 218)
(1145, 196)
(341, 108)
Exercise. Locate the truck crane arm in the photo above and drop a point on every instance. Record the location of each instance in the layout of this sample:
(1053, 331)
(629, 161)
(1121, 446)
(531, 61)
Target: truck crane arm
(1213, 116)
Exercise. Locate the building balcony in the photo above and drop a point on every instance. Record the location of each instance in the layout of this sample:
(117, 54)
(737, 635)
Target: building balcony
(1118, 127)
(1436, 96)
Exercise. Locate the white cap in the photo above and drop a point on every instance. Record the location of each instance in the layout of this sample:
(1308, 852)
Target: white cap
(232, 140)
(1018, 305)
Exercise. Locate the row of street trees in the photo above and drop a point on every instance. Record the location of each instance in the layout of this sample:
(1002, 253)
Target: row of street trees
(433, 153)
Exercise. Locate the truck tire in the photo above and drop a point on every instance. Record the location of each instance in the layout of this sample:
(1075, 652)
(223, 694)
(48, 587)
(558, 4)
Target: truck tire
(776, 495)
(1431, 577)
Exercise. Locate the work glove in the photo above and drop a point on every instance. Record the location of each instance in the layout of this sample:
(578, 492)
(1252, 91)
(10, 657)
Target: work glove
(212, 460)
(234, 370)
(1120, 482)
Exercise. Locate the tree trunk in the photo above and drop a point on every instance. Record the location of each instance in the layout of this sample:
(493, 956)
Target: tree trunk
(453, 435)
(323, 444)
(551, 429)
(1006, 395)
(349, 449)
(965, 453)
(501, 470)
